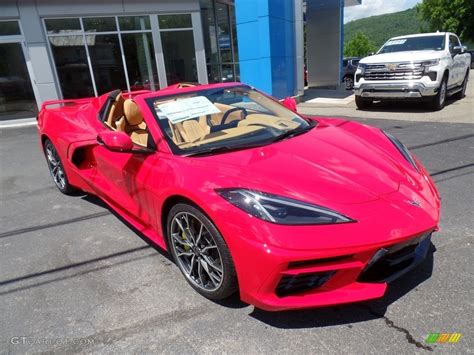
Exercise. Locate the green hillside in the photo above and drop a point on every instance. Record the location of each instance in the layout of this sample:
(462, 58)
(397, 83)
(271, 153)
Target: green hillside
(380, 28)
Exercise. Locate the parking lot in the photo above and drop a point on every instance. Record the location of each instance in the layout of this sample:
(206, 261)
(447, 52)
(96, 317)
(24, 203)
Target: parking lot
(74, 277)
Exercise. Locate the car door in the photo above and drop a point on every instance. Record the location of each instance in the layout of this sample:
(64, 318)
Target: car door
(126, 181)
(456, 74)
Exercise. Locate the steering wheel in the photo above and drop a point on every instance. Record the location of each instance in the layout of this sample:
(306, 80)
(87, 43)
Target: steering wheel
(226, 115)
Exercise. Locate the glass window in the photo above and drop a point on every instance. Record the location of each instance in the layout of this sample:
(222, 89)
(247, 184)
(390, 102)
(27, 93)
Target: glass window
(63, 25)
(453, 42)
(209, 31)
(70, 58)
(9, 28)
(180, 57)
(223, 32)
(134, 23)
(407, 44)
(213, 73)
(16, 93)
(175, 21)
(234, 32)
(227, 72)
(237, 72)
(99, 24)
(140, 59)
(106, 59)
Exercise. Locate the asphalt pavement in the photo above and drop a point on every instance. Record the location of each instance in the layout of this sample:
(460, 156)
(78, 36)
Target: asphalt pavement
(75, 278)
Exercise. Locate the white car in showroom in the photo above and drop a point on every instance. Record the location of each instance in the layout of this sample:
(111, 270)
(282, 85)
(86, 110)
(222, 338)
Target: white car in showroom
(428, 66)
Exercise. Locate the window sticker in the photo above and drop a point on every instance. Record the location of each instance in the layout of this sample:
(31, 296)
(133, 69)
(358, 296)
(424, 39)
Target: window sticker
(396, 42)
(185, 109)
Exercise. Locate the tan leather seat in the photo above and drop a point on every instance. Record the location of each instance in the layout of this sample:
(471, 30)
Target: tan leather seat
(116, 112)
(193, 130)
(134, 125)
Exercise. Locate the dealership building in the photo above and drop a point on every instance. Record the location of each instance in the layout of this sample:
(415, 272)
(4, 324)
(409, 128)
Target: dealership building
(63, 49)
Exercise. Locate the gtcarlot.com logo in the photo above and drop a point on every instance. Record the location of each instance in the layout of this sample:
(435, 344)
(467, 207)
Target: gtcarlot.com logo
(24, 340)
(443, 338)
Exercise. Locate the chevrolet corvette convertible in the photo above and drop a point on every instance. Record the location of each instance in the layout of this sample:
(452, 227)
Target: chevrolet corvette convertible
(246, 194)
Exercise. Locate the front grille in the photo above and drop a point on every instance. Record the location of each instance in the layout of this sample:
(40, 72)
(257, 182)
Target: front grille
(389, 263)
(293, 284)
(394, 71)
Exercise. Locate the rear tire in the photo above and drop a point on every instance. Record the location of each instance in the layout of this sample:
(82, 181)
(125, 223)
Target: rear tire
(56, 168)
(461, 94)
(363, 103)
(200, 252)
(439, 100)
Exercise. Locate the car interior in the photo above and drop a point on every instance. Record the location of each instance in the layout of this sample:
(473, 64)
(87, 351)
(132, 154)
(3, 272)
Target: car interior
(125, 116)
(230, 122)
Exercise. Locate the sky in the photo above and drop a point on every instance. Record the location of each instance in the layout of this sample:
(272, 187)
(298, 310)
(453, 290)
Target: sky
(377, 7)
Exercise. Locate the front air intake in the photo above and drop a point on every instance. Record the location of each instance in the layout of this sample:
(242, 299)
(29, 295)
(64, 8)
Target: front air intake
(294, 284)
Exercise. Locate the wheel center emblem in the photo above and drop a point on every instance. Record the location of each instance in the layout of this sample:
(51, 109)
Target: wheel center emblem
(391, 67)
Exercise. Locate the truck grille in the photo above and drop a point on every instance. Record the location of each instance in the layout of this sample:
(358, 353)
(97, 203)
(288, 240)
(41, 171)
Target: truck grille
(394, 71)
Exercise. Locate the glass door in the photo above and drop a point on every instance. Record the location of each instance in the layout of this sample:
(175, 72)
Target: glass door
(17, 98)
(179, 52)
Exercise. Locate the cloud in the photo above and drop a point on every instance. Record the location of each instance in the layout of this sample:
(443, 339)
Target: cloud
(377, 7)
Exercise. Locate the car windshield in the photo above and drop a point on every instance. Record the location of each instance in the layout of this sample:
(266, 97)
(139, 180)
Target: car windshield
(422, 43)
(223, 119)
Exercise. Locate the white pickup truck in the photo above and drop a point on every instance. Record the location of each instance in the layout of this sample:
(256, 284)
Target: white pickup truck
(429, 66)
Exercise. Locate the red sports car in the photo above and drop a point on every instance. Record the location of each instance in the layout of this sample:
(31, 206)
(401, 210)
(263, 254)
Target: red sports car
(247, 195)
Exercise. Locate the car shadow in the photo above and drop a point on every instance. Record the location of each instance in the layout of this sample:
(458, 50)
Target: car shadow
(351, 313)
(97, 201)
(402, 106)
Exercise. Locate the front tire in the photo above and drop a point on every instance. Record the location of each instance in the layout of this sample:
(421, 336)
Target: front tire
(439, 100)
(363, 103)
(56, 168)
(200, 252)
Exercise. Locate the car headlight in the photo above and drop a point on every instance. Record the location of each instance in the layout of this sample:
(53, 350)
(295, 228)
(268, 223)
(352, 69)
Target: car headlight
(362, 67)
(402, 149)
(281, 210)
(430, 63)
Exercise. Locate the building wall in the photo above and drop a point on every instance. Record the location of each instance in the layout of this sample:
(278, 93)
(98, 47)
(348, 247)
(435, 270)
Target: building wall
(266, 40)
(31, 12)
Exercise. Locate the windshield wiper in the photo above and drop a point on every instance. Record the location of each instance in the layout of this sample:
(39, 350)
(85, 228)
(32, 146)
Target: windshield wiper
(292, 133)
(223, 149)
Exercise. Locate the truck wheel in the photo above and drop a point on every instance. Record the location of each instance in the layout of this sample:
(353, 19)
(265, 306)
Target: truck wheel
(363, 103)
(461, 94)
(439, 100)
(348, 82)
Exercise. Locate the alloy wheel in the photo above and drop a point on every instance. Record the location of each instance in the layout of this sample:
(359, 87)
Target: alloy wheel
(55, 166)
(349, 83)
(442, 94)
(196, 252)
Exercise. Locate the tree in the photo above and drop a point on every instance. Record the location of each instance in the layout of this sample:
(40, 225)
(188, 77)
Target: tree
(449, 16)
(359, 46)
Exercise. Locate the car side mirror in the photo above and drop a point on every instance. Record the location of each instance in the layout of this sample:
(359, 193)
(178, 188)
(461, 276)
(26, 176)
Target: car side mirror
(370, 54)
(115, 141)
(458, 50)
(290, 103)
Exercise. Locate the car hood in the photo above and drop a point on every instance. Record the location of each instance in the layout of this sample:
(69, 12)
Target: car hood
(326, 165)
(402, 57)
